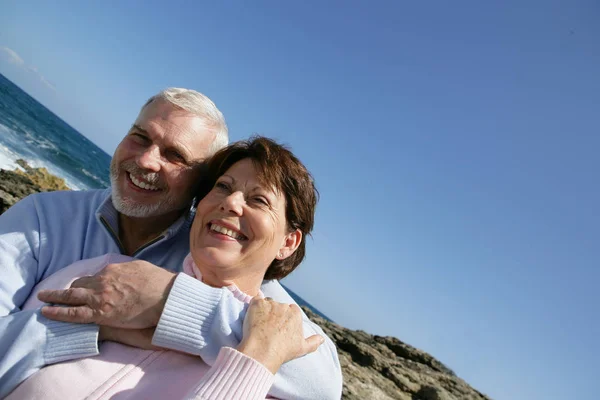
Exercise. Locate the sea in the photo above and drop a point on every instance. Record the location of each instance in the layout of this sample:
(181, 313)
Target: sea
(31, 132)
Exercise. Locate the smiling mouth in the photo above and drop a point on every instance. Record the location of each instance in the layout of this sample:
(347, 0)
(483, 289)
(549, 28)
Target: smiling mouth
(225, 231)
(141, 184)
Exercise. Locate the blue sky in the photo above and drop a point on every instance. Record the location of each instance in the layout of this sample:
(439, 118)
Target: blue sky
(455, 146)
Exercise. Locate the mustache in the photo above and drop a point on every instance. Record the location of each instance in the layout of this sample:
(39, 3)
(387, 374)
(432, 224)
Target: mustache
(152, 178)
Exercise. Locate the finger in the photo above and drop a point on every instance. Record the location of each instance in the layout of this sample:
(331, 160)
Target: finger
(79, 315)
(83, 282)
(70, 297)
(269, 298)
(312, 343)
(256, 300)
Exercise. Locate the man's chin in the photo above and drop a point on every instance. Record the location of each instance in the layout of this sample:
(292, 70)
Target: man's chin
(134, 209)
(130, 206)
(137, 211)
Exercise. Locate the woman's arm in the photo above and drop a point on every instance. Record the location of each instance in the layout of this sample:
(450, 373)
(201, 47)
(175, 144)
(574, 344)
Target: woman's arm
(233, 376)
(273, 335)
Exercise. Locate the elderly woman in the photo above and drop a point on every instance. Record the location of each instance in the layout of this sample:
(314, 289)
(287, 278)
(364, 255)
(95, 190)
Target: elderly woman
(257, 207)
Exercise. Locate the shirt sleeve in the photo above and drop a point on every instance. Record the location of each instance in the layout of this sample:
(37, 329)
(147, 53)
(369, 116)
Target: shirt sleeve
(200, 320)
(28, 341)
(233, 376)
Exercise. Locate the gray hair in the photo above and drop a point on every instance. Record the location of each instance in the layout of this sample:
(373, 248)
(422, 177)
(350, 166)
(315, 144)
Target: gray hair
(200, 105)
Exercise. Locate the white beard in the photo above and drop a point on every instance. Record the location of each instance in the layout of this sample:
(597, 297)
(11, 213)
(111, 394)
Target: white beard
(135, 210)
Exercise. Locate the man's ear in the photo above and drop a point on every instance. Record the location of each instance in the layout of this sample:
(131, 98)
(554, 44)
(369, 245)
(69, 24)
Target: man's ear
(291, 241)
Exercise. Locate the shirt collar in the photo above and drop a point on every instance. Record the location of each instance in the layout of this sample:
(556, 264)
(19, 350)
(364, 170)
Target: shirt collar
(190, 268)
(108, 211)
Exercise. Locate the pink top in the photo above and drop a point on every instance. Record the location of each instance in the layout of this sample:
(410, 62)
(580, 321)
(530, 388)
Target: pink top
(123, 372)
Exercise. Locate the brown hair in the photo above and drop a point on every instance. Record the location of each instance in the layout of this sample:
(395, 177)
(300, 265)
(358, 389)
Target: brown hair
(276, 166)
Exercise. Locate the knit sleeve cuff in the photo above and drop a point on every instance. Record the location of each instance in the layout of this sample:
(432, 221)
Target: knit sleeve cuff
(234, 376)
(67, 341)
(187, 317)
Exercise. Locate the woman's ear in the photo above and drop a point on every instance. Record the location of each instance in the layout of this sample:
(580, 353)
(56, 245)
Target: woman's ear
(291, 241)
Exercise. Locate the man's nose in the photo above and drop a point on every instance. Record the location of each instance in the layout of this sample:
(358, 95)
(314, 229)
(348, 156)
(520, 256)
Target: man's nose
(233, 203)
(150, 159)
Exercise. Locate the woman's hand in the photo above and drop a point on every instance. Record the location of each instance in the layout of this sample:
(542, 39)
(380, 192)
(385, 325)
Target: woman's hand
(273, 334)
(140, 338)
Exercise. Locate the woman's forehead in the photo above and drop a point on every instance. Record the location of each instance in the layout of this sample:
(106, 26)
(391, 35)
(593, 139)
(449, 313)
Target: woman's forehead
(246, 173)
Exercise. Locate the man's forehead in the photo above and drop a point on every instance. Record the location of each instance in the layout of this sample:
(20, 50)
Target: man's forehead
(164, 116)
(176, 125)
(163, 111)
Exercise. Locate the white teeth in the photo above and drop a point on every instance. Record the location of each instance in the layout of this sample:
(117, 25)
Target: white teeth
(141, 184)
(225, 231)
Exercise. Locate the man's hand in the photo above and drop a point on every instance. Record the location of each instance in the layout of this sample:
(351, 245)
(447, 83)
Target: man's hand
(128, 295)
(273, 334)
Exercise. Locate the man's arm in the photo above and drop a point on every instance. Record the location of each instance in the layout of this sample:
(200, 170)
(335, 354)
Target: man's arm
(139, 295)
(28, 341)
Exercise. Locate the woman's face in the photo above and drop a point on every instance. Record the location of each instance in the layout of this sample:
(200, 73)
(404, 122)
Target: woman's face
(240, 228)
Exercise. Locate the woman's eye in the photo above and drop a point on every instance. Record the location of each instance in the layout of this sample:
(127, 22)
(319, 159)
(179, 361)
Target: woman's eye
(221, 185)
(261, 200)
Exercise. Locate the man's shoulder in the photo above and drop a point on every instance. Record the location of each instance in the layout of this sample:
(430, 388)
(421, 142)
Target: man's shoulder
(61, 198)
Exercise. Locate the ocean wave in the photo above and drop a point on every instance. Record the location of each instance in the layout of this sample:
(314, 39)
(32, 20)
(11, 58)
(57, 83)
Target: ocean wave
(35, 140)
(7, 158)
(94, 177)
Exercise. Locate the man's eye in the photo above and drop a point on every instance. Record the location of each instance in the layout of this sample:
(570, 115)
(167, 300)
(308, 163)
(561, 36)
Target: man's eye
(138, 138)
(173, 155)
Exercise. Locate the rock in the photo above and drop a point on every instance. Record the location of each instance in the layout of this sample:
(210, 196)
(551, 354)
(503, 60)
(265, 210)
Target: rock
(17, 184)
(385, 368)
(41, 177)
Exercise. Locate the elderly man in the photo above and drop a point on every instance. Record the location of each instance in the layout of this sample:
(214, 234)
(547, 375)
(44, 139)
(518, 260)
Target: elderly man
(145, 214)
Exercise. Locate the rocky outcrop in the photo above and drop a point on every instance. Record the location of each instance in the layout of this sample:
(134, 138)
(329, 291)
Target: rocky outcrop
(14, 185)
(385, 368)
(41, 177)
(374, 367)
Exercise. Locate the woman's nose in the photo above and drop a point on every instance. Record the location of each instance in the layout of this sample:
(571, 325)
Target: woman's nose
(233, 203)
(150, 159)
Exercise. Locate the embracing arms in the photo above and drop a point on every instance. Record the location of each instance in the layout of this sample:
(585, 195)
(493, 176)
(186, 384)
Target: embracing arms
(29, 341)
(195, 318)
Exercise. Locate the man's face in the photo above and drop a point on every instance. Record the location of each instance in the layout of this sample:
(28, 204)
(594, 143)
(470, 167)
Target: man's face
(155, 168)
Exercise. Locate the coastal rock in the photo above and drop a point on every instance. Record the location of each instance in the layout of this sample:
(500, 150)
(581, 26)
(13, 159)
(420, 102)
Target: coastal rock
(17, 184)
(41, 177)
(385, 368)
(374, 367)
